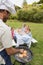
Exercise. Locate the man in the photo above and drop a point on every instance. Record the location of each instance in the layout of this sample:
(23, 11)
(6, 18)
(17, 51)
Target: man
(6, 49)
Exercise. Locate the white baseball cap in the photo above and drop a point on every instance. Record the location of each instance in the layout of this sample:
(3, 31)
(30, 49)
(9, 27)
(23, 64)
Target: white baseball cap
(7, 5)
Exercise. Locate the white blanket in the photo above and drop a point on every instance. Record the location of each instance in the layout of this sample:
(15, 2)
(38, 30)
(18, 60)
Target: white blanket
(25, 38)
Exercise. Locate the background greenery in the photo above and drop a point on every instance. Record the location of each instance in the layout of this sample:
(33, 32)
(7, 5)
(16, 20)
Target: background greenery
(37, 32)
(33, 12)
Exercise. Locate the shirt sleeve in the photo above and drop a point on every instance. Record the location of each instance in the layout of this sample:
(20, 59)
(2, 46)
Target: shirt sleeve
(7, 39)
(1, 32)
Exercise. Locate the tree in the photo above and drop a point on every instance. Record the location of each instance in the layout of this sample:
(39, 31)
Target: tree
(25, 4)
(41, 1)
(17, 8)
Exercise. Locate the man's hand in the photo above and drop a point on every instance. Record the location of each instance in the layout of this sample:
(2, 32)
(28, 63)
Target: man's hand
(21, 50)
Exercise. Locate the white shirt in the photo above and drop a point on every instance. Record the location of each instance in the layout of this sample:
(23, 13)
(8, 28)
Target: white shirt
(5, 38)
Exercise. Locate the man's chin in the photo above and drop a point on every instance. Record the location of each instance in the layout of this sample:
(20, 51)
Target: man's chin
(5, 20)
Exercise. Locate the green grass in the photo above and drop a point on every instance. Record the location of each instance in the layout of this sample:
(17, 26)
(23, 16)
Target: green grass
(37, 32)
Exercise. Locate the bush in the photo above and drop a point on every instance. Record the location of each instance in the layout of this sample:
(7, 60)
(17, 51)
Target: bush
(38, 17)
(13, 17)
(22, 15)
(41, 6)
(33, 15)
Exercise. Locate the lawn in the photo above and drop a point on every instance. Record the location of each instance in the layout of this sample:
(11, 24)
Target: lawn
(37, 32)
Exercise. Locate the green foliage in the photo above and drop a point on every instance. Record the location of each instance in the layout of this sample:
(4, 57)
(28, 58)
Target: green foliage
(41, 6)
(33, 14)
(17, 8)
(22, 15)
(38, 17)
(25, 3)
(41, 1)
(13, 17)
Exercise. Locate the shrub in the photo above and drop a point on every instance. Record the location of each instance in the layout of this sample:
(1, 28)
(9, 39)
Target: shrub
(33, 15)
(13, 17)
(38, 17)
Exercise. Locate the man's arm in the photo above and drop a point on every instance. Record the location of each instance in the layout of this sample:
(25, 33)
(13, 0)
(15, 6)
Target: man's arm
(11, 50)
(7, 43)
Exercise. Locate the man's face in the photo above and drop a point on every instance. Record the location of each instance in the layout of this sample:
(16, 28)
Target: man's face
(6, 15)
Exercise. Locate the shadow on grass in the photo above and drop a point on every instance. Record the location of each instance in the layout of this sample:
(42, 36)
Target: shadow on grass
(34, 44)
